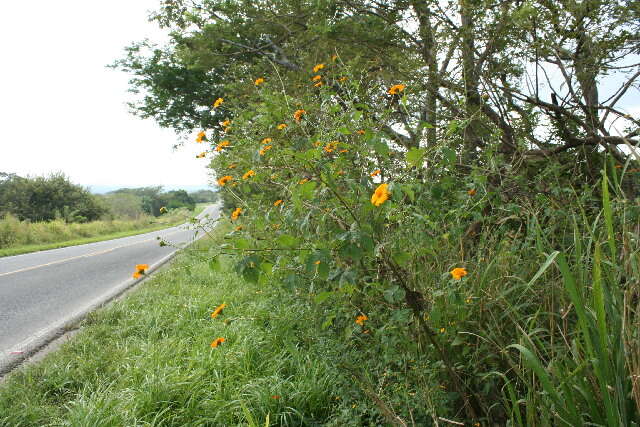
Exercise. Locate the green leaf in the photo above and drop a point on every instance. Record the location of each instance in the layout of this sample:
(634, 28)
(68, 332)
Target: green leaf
(415, 156)
(343, 130)
(402, 258)
(322, 297)
(242, 243)
(449, 155)
(288, 241)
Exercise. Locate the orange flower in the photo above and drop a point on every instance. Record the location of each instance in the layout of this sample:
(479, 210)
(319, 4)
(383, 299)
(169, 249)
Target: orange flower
(281, 126)
(215, 343)
(222, 181)
(380, 195)
(317, 262)
(302, 181)
(472, 192)
(316, 78)
(361, 132)
(458, 273)
(396, 89)
(258, 81)
(201, 155)
(236, 213)
(225, 123)
(140, 270)
(341, 173)
(317, 84)
(375, 172)
(275, 226)
(266, 140)
(248, 174)
(201, 136)
(218, 102)
(298, 115)
(361, 319)
(232, 166)
(275, 396)
(331, 146)
(222, 144)
(343, 79)
(265, 149)
(277, 202)
(318, 68)
(238, 228)
(218, 310)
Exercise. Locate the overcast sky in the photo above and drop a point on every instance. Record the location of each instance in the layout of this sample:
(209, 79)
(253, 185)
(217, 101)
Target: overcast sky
(62, 110)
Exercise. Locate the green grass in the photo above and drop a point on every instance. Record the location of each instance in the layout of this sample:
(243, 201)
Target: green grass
(147, 360)
(58, 234)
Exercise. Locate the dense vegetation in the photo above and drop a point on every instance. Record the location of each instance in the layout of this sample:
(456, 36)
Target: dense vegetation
(47, 198)
(44, 212)
(458, 178)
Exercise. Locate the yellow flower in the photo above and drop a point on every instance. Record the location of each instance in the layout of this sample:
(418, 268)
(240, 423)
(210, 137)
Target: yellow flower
(163, 210)
(298, 115)
(218, 102)
(442, 330)
(201, 155)
(281, 126)
(266, 140)
(317, 84)
(226, 123)
(361, 319)
(380, 195)
(232, 166)
(317, 144)
(277, 202)
(318, 68)
(316, 78)
(265, 149)
(396, 89)
(201, 136)
(334, 57)
(222, 144)
(236, 213)
(302, 181)
(258, 81)
(375, 172)
(248, 174)
(222, 181)
(317, 262)
(215, 343)
(471, 192)
(275, 226)
(238, 228)
(218, 310)
(343, 79)
(331, 146)
(361, 132)
(140, 270)
(458, 273)
(344, 151)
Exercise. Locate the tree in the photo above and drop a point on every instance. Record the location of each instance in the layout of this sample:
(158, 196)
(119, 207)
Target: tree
(47, 198)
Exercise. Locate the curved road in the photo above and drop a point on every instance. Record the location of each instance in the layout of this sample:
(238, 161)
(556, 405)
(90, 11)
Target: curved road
(42, 292)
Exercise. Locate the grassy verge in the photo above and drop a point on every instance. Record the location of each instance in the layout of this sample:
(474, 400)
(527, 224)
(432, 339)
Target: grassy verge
(147, 360)
(99, 231)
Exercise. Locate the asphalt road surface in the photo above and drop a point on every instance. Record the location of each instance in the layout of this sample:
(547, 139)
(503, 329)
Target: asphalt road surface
(41, 292)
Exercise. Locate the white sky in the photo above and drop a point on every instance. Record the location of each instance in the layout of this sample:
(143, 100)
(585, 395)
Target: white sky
(62, 110)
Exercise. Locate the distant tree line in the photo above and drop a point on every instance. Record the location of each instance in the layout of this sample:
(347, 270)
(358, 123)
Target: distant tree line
(45, 198)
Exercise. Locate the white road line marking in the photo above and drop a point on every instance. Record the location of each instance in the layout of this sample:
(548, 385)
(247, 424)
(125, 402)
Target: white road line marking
(80, 256)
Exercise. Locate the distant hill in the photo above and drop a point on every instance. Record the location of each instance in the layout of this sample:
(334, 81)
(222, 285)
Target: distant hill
(103, 189)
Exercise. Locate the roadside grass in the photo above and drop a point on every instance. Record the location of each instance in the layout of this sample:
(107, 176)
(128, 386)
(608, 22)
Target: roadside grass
(147, 360)
(21, 237)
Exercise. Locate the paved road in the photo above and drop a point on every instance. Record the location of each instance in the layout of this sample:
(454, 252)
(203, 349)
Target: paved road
(42, 291)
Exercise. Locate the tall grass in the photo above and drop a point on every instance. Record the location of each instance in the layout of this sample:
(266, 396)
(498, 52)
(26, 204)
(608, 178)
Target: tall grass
(15, 233)
(147, 360)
